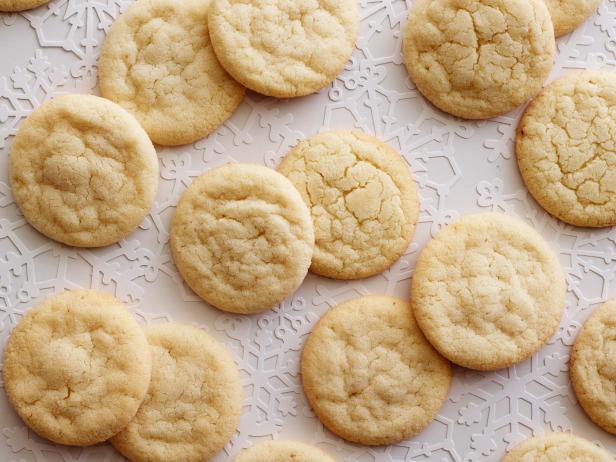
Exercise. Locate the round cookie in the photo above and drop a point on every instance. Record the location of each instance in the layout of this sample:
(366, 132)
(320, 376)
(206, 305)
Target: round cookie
(193, 405)
(20, 5)
(242, 237)
(362, 198)
(557, 447)
(77, 367)
(592, 371)
(158, 63)
(565, 148)
(83, 171)
(283, 451)
(478, 59)
(282, 48)
(488, 291)
(569, 14)
(369, 373)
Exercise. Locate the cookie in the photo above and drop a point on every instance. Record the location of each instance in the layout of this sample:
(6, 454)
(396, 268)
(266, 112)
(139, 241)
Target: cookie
(362, 198)
(369, 373)
(569, 14)
(83, 171)
(557, 447)
(77, 367)
(282, 48)
(478, 59)
(193, 405)
(242, 237)
(283, 451)
(20, 5)
(488, 291)
(158, 63)
(592, 370)
(565, 148)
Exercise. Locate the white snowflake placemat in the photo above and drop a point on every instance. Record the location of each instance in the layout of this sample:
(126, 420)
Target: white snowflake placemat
(460, 167)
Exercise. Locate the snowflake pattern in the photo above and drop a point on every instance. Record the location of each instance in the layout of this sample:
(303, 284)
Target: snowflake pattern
(459, 166)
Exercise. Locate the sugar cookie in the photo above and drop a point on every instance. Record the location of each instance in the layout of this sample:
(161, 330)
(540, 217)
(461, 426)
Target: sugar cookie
(77, 367)
(569, 14)
(592, 370)
(158, 63)
(193, 405)
(242, 237)
(83, 171)
(20, 5)
(488, 291)
(282, 48)
(566, 151)
(369, 373)
(283, 451)
(362, 198)
(557, 447)
(478, 59)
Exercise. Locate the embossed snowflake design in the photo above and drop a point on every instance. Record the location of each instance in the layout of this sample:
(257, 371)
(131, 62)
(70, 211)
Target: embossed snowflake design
(459, 166)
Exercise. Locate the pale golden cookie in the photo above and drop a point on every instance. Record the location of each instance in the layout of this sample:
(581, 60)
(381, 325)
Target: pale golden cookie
(488, 291)
(158, 63)
(193, 405)
(242, 237)
(557, 447)
(478, 59)
(369, 373)
(77, 367)
(283, 451)
(569, 14)
(20, 5)
(566, 148)
(83, 171)
(284, 48)
(592, 368)
(362, 198)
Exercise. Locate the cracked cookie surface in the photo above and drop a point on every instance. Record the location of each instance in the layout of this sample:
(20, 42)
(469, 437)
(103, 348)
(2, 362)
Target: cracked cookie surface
(83, 171)
(20, 5)
(488, 291)
(284, 48)
(477, 59)
(592, 369)
(283, 451)
(158, 63)
(193, 405)
(566, 148)
(569, 14)
(242, 237)
(362, 198)
(77, 367)
(557, 447)
(369, 373)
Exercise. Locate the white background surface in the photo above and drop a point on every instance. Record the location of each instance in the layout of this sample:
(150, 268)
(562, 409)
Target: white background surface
(459, 166)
